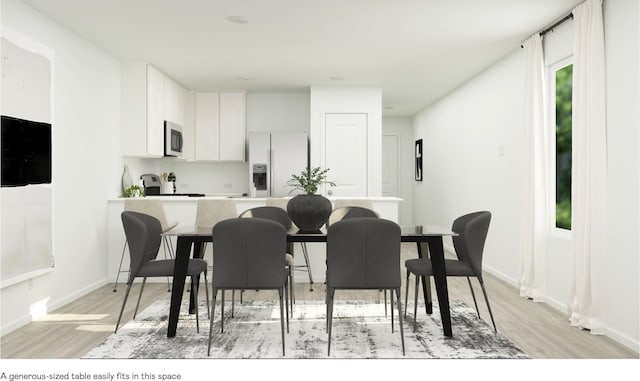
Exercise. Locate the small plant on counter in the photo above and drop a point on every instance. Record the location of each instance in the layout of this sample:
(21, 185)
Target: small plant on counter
(309, 180)
(134, 191)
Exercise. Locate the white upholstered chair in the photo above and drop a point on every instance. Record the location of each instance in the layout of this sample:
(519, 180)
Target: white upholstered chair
(281, 202)
(211, 211)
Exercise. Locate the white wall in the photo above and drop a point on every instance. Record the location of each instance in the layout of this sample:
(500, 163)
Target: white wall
(465, 132)
(86, 159)
(622, 44)
(471, 159)
(402, 127)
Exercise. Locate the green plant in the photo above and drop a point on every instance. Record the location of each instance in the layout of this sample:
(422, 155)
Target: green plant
(309, 179)
(134, 191)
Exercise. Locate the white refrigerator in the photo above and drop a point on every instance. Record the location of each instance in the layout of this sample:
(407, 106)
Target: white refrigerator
(273, 158)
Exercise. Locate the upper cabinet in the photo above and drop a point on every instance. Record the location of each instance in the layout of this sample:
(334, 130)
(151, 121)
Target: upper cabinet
(149, 97)
(220, 126)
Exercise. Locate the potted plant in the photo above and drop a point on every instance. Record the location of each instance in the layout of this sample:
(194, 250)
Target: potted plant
(309, 211)
(133, 191)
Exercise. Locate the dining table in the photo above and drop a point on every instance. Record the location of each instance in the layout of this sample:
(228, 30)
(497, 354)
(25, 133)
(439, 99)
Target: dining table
(429, 240)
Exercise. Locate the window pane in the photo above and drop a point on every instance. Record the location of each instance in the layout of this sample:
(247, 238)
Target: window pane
(564, 78)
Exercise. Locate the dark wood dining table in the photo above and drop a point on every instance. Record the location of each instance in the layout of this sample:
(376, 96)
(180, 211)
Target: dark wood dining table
(429, 240)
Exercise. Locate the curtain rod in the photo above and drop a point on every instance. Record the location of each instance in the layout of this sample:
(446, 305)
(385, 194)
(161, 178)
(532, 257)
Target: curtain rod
(554, 25)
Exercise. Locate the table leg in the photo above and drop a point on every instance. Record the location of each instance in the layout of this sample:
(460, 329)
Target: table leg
(436, 252)
(183, 251)
(427, 297)
(198, 252)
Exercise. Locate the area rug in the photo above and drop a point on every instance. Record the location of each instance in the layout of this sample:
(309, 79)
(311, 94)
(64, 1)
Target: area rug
(360, 331)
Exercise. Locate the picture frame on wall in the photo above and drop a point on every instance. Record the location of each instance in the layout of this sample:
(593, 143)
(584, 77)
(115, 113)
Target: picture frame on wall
(418, 151)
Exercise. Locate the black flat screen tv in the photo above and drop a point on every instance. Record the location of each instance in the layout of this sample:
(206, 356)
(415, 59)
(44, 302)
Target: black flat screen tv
(26, 152)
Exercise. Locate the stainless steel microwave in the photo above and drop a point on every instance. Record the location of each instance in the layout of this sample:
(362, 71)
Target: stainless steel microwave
(173, 141)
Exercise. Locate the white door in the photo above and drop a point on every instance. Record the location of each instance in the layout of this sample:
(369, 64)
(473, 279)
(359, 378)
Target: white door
(346, 154)
(390, 167)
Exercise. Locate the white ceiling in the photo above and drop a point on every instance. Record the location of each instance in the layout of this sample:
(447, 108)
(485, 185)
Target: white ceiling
(415, 50)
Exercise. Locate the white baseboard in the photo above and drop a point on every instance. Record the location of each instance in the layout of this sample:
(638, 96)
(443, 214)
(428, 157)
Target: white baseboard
(562, 307)
(12, 326)
(51, 306)
(622, 339)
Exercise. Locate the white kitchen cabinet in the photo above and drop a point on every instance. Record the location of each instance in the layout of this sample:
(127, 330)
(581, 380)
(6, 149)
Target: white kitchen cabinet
(149, 97)
(220, 126)
(174, 101)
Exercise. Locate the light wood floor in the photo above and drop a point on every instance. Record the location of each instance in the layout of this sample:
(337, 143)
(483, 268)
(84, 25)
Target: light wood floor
(537, 329)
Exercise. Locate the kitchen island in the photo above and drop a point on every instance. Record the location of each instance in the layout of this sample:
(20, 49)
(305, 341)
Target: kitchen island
(182, 209)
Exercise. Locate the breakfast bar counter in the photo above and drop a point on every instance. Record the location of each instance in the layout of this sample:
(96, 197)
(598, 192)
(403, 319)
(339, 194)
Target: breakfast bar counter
(182, 209)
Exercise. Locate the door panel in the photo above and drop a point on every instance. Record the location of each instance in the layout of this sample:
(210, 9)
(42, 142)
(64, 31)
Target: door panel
(346, 154)
(390, 167)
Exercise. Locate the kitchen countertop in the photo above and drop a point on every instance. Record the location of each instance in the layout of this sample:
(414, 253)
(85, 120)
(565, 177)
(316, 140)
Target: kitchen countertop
(240, 198)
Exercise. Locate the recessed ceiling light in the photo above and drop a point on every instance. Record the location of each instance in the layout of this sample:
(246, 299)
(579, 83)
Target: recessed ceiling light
(238, 19)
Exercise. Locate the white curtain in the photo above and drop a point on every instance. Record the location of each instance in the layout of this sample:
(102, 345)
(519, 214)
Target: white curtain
(587, 295)
(534, 174)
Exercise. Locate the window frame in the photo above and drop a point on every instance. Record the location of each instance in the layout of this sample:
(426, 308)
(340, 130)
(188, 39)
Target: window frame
(551, 70)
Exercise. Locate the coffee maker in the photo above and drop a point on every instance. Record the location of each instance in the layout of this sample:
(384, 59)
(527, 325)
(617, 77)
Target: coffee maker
(151, 184)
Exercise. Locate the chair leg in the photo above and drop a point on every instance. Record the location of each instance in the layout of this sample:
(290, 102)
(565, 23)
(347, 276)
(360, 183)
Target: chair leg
(406, 294)
(170, 246)
(222, 311)
(330, 292)
(286, 303)
(306, 260)
(282, 319)
(390, 297)
(120, 265)
(426, 281)
(385, 302)
(486, 298)
(124, 302)
(194, 287)
(213, 310)
(415, 303)
(233, 300)
(474, 297)
(397, 290)
(291, 289)
(144, 281)
(206, 291)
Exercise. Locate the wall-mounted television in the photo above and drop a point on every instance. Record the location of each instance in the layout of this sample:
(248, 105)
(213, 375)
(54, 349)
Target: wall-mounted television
(26, 152)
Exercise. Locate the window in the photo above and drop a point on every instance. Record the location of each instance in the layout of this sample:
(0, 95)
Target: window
(562, 78)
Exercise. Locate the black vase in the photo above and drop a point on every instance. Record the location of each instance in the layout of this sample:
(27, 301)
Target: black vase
(309, 212)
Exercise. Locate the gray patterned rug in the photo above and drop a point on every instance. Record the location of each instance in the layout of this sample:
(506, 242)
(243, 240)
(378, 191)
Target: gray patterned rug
(360, 330)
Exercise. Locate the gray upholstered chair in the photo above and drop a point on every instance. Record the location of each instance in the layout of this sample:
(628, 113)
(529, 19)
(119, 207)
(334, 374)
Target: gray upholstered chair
(363, 253)
(280, 216)
(354, 211)
(143, 233)
(248, 255)
(469, 242)
(155, 209)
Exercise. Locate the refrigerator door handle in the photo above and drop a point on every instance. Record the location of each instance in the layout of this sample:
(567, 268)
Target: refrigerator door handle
(270, 173)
